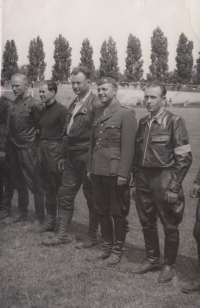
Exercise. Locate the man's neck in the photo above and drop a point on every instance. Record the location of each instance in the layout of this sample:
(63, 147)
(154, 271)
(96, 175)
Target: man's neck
(84, 94)
(23, 96)
(155, 114)
(51, 101)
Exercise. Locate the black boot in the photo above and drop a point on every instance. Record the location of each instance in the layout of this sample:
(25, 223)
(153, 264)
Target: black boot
(120, 227)
(193, 286)
(50, 220)
(91, 239)
(106, 224)
(170, 254)
(23, 202)
(152, 262)
(62, 235)
(6, 205)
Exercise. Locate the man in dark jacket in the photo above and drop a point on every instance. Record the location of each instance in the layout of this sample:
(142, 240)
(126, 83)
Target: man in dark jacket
(109, 165)
(74, 150)
(163, 157)
(5, 175)
(194, 286)
(51, 123)
(24, 124)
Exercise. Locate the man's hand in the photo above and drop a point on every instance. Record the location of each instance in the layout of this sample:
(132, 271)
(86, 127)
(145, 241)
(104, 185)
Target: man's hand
(171, 197)
(121, 181)
(61, 164)
(194, 191)
(89, 175)
(132, 193)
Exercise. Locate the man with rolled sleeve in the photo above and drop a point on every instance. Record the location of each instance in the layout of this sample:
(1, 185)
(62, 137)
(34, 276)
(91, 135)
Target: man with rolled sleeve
(24, 124)
(109, 167)
(163, 157)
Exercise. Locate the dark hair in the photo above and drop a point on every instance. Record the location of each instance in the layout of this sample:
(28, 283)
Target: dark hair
(156, 83)
(81, 69)
(52, 86)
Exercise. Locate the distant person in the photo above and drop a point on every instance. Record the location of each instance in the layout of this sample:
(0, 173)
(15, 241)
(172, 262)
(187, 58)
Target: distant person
(6, 180)
(194, 286)
(163, 157)
(24, 125)
(74, 149)
(51, 123)
(109, 167)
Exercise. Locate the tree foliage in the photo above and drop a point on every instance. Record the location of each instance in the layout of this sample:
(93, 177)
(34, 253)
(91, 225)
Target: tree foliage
(133, 61)
(23, 69)
(109, 60)
(184, 58)
(86, 55)
(159, 56)
(36, 67)
(197, 68)
(62, 56)
(10, 58)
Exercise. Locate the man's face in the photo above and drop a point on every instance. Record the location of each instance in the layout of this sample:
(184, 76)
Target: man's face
(18, 86)
(45, 94)
(80, 84)
(106, 93)
(153, 99)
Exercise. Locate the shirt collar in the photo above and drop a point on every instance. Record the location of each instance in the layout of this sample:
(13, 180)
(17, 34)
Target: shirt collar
(158, 118)
(82, 101)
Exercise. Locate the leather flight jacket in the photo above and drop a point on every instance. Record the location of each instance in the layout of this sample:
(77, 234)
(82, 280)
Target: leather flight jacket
(163, 142)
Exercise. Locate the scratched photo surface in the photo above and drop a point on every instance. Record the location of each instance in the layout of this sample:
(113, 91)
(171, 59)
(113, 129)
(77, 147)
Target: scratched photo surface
(33, 275)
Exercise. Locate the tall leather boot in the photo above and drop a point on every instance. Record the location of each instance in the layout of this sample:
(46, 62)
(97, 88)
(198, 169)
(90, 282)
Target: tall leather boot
(6, 206)
(51, 217)
(120, 228)
(170, 254)
(152, 261)
(91, 239)
(23, 202)
(39, 206)
(107, 234)
(62, 235)
(193, 286)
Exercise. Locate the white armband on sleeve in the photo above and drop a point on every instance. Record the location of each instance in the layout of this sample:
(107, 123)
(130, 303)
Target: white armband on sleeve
(182, 149)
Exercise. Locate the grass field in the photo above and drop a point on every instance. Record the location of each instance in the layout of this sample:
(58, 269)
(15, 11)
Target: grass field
(35, 276)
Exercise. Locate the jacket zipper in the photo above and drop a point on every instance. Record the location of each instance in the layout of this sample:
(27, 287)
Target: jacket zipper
(145, 152)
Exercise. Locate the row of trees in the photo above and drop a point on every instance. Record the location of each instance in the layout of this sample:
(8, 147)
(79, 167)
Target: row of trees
(185, 71)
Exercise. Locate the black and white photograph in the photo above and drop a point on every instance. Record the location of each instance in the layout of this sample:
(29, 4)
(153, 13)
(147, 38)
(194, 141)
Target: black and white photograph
(100, 154)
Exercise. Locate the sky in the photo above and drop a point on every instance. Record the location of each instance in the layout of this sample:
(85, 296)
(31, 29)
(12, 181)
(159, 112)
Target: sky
(24, 20)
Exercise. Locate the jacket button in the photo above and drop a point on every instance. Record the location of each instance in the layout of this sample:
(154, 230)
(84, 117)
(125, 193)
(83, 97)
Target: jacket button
(99, 138)
(100, 132)
(101, 124)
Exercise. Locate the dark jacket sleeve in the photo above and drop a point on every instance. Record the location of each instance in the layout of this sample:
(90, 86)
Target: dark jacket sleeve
(182, 154)
(128, 133)
(5, 138)
(198, 177)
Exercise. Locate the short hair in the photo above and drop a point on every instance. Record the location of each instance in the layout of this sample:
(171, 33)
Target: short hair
(52, 86)
(23, 77)
(81, 69)
(156, 83)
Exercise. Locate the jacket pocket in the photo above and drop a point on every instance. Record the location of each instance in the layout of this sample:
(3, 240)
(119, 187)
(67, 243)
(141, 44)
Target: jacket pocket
(160, 138)
(115, 158)
(113, 130)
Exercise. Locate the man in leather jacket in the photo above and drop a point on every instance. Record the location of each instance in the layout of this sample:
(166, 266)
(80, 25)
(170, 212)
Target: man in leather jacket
(6, 180)
(163, 157)
(109, 166)
(74, 150)
(24, 117)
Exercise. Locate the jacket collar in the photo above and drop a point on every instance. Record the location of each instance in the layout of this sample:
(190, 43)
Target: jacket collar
(158, 119)
(111, 109)
(82, 108)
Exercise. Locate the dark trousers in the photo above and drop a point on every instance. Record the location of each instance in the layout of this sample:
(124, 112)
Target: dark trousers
(110, 199)
(23, 171)
(6, 184)
(47, 173)
(73, 176)
(151, 186)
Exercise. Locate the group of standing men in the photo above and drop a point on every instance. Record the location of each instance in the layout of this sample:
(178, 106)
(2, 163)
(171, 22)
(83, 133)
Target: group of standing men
(53, 150)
